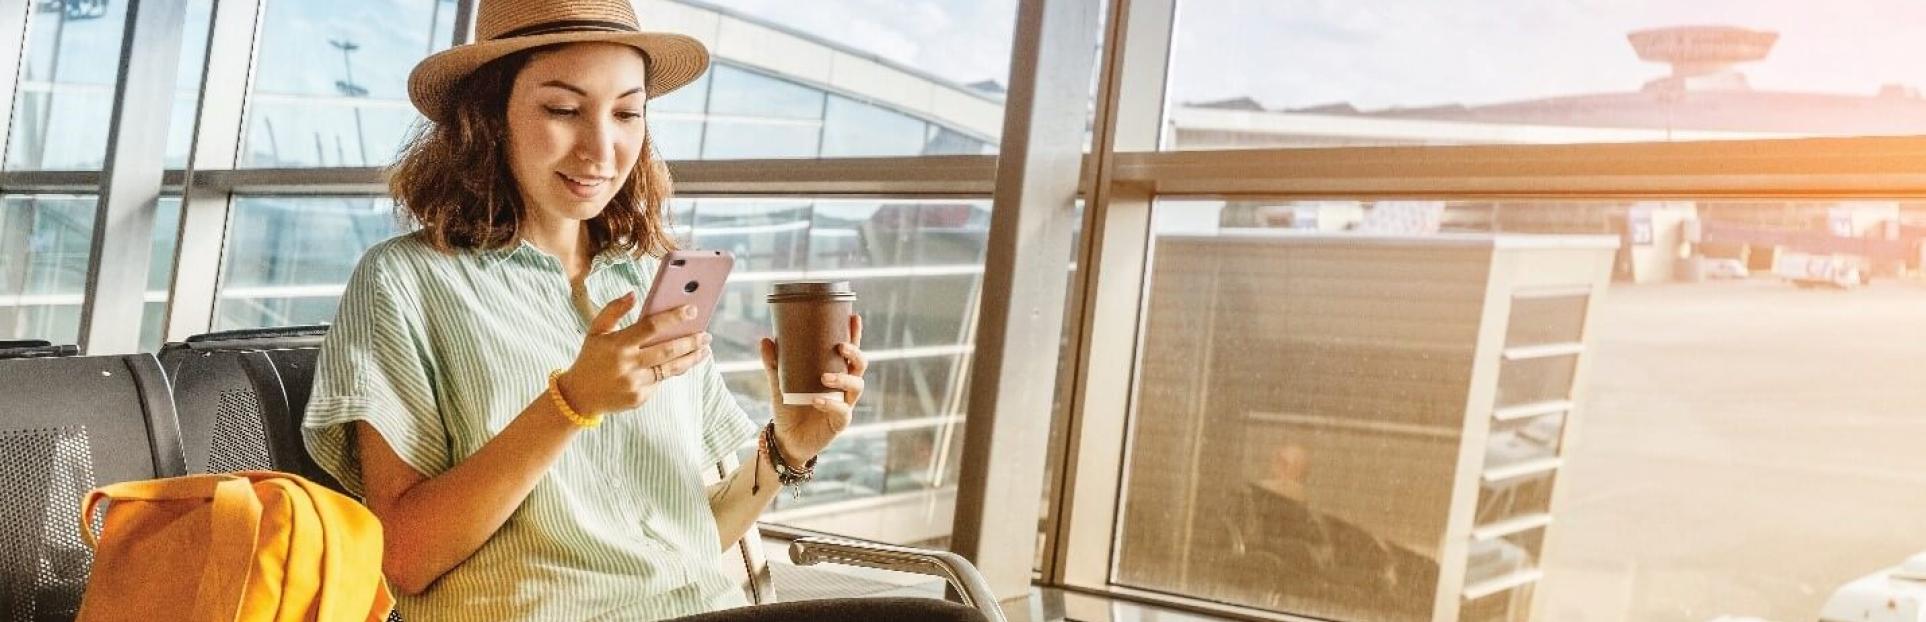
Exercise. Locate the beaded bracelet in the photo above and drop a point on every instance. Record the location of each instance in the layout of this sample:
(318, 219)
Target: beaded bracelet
(785, 474)
(561, 404)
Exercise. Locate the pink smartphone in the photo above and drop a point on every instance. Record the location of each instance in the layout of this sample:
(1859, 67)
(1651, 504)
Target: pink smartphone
(688, 277)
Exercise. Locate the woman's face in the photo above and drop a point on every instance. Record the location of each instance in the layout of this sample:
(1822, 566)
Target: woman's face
(575, 127)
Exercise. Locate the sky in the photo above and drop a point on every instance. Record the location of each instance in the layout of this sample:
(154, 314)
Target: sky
(1382, 53)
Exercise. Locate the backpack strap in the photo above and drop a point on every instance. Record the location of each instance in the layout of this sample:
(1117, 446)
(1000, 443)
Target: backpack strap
(169, 489)
(230, 552)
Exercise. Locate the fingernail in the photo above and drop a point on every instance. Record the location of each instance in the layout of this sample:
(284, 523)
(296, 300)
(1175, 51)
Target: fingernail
(829, 379)
(706, 338)
(689, 311)
(822, 402)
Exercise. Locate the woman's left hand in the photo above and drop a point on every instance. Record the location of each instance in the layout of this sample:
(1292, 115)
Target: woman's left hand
(804, 430)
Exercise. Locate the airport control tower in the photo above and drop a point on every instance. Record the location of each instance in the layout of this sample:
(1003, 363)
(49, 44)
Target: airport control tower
(1701, 56)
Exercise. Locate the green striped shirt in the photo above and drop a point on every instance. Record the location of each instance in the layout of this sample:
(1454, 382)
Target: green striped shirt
(439, 352)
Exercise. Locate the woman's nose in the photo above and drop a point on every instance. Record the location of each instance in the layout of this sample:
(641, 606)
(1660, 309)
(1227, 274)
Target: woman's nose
(596, 144)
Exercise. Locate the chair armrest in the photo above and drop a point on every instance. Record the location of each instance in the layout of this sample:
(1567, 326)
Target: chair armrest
(960, 573)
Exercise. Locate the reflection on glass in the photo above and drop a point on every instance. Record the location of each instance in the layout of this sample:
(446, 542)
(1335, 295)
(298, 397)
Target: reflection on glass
(916, 266)
(331, 84)
(854, 129)
(1314, 375)
(66, 88)
(331, 91)
(45, 243)
(1519, 71)
(885, 58)
(288, 259)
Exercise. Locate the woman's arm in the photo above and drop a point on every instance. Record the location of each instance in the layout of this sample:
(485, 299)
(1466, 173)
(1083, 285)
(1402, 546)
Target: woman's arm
(432, 524)
(802, 432)
(739, 499)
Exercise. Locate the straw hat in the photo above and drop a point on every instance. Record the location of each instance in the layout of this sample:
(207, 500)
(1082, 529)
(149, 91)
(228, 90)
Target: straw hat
(505, 27)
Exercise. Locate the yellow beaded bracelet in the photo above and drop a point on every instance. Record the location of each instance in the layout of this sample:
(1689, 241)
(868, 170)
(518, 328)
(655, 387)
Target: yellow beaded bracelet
(561, 403)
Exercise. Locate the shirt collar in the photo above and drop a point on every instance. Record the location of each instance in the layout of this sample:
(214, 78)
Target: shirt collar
(610, 256)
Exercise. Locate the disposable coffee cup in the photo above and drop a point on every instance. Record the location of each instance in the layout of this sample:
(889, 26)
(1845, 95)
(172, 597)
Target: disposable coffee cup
(811, 318)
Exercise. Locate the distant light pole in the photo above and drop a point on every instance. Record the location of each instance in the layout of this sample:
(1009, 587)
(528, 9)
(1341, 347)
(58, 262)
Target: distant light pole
(350, 89)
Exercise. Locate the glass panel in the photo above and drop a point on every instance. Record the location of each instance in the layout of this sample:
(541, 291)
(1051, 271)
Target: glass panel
(856, 129)
(288, 258)
(1523, 440)
(1519, 71)
(160, 273)
(1496, 559)
(1499, 501)
(901, 57)
(331, 84)
(1541, 320)
(752, 115)
(66, 88)
(1536, 380)
(45, 243)
(917, 268)
(916, 265)
(1312, 372)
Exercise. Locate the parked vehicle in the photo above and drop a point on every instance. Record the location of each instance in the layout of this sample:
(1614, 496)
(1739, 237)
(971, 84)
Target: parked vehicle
(1815, 270)
(1896, 594)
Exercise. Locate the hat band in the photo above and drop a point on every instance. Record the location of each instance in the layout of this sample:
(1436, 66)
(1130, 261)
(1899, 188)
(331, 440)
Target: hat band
(572, 25)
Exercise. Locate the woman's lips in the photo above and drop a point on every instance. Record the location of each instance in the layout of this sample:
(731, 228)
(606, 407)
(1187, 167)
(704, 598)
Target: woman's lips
(582, 187)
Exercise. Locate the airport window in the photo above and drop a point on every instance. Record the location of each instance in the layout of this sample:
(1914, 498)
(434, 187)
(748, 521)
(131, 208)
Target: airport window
(288, 258)
(45, 241)
(1658, 393)
(943, 63)
(66, 86)
(331, 88)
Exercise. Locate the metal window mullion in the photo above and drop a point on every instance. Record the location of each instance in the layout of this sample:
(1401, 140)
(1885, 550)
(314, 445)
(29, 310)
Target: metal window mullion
(15, 17)
(914, 176)
(218, 130)
(1114, 268)
(464, 31)
(1850, 167)
(1013, 374)
(110, 318)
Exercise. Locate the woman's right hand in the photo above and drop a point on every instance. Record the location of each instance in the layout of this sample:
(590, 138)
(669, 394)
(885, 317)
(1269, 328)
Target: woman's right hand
(614, 372)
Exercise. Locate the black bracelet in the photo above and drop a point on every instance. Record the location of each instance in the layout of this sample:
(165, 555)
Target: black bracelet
(785, 474)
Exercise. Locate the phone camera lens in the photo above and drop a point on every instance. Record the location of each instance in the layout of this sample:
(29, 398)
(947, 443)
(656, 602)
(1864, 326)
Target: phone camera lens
(690, 287)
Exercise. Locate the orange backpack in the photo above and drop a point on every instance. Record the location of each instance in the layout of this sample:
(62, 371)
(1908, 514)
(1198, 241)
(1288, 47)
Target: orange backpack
(249, 546)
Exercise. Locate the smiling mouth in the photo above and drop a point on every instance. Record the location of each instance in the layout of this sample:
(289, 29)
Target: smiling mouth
(582, 186)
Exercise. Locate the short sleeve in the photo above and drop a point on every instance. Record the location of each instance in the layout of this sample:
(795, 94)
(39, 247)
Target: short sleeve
(725, 426)
(375, 366)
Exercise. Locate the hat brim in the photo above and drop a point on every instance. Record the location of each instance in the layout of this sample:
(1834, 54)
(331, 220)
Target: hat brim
(674, 61)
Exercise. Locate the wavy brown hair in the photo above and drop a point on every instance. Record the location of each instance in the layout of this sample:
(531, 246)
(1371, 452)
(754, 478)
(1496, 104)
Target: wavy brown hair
(453, 178)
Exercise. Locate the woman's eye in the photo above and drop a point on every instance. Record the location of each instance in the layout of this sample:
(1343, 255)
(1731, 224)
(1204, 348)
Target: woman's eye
(628, 115)
(559, 111)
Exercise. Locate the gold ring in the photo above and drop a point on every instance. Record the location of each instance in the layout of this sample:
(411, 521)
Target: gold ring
(658, 372)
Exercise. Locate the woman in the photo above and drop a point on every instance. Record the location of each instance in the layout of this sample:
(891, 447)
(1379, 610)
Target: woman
(485, 386)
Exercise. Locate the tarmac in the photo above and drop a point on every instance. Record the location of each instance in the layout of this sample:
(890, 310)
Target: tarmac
(1742, 449)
